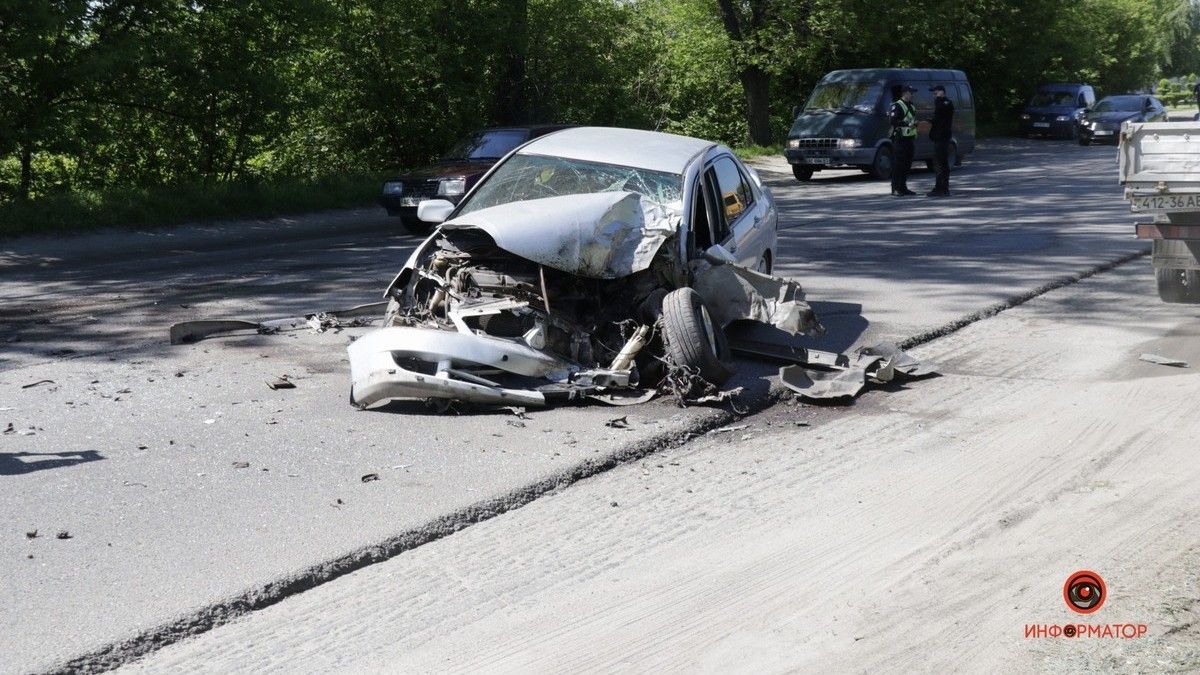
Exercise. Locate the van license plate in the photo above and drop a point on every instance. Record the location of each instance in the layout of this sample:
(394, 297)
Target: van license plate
(1188, 202)
(1042, 125)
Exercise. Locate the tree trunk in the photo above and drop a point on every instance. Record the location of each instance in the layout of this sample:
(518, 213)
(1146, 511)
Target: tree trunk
(26, 184)
(756, 84)
(510, 96)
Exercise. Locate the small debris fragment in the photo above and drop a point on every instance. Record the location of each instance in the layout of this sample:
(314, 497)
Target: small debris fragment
(6, 409)
(515, 423)
(32, 534)
(1163, 360)
(367, 478)
(736, 427)
(518, 411)
(26, 432)
(129, 483)
(210, 421)
(241, 465)
(281, 382)
(338, 503)
(62, 534)
(618, 423)
(179, 374)
(615, 505)
(10, 429)
(34, 384)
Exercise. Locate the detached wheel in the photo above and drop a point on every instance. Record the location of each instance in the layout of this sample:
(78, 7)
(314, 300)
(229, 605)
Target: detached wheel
(693, 339)
(414, 225)
(1178, 286)
(802, 173)
(881, 166)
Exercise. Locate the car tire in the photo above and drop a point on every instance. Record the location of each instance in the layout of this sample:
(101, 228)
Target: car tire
(1178, 286)
(414, 225)
(881, 166)
(802, 173)
(692, 339)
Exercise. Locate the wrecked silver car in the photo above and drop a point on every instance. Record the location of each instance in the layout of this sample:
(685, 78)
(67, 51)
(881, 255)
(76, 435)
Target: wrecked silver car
(591, 262)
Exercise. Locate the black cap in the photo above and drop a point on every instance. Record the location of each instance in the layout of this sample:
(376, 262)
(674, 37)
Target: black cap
(909, 87)
(938, 87)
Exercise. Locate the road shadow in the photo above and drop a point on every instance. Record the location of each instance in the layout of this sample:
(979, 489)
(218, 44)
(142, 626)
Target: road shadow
(14, 464)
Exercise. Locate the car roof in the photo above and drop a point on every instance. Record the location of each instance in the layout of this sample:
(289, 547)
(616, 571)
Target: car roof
(651, 150)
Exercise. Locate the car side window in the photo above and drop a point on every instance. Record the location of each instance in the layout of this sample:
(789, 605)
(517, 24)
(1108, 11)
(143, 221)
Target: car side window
(734, 189)
(701, 227)
(718, 222)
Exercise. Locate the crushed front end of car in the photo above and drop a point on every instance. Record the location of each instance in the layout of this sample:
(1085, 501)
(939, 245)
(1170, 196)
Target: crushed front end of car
(555, 299)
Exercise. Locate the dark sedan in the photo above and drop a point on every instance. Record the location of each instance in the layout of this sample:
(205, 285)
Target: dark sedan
(1102, 123)
(453, 175)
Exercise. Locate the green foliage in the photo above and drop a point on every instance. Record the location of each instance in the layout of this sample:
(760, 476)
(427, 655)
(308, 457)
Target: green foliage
(135, 98)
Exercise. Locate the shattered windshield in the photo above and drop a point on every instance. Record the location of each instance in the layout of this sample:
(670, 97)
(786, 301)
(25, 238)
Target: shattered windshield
(487, 144)
(526, 177)
(844, 96)
(1044, 99)
(1120, 104)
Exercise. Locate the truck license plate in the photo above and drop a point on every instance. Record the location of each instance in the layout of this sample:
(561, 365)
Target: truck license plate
(1188, 202)
(1042, 125)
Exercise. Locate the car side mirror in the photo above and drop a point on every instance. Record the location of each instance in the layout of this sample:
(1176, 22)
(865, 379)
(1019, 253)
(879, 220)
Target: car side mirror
(719, 255)
(434, 210)
(795, 111)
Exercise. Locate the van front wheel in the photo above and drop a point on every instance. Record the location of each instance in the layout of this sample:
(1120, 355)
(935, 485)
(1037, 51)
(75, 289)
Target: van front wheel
(802, 173)
(881, 166)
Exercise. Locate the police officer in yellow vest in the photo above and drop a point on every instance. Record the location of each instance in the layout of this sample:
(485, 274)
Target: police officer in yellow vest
(904, 133)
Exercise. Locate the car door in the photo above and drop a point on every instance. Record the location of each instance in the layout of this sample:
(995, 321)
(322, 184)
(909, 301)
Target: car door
(740, 210)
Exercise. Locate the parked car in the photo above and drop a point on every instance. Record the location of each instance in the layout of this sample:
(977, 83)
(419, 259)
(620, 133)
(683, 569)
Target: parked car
(1103, 122)
(580, 265)
(454, 174)
(1055, 109)
(845, 121)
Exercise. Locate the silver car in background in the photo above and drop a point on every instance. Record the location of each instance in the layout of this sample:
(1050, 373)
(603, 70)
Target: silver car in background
(586, 262)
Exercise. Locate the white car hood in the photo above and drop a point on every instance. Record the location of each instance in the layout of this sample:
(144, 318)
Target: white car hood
(606, 235)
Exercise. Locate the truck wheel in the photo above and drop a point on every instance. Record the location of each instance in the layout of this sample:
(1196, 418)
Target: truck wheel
(802, 173)
(1178, 286)
(693, 339)
(881, 166)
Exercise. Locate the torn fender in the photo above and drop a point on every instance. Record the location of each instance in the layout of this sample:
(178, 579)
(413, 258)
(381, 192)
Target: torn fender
(732, 292)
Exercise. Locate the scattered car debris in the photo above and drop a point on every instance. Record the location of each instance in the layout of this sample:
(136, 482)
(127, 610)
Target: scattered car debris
(518, 411)
(34, 384)
(63, 534)
(515, 423)
(367, 478)
(26, 432)
(724, 430)
(241, 465)
(6, 409)
(618, 423)
(839, 378)
(187, 332)
(281, 382)
(10, 429)
(1164, 360)
(31, 534)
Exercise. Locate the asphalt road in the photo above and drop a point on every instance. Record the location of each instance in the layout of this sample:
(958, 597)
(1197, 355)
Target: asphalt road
(192, 492)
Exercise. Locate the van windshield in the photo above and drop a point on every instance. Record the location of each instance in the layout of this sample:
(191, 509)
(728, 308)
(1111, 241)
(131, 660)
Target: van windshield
(1044, 99)
(844, 97)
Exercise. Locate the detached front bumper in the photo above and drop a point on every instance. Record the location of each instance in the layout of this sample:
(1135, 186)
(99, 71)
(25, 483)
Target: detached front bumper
(446, 360)
(830, 157)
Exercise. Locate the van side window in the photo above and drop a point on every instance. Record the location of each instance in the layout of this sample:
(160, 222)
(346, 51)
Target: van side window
(733, 190)
(964, 101)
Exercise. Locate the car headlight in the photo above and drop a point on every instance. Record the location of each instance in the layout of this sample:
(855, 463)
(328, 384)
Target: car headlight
(1025, 116)
(793, 143)
(452, 187)
(393, 188)
(1063, 118)
(850, 143)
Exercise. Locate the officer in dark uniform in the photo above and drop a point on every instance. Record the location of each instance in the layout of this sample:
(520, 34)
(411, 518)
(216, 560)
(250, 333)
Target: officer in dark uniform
(1196, 93)
(939, 133)
(904, 132)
